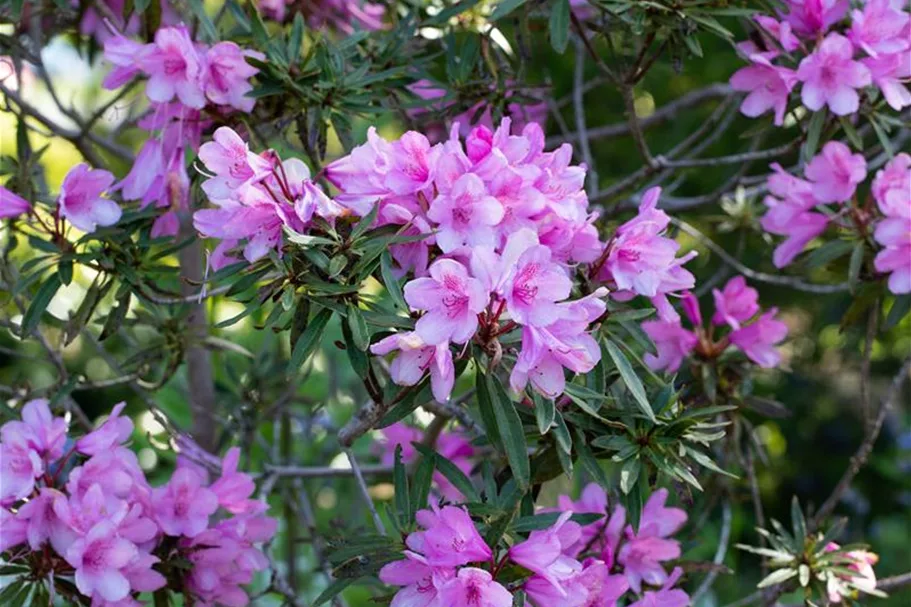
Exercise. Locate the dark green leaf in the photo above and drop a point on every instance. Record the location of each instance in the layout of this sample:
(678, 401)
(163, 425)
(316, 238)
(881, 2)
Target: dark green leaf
(420, 488)
(358, 326)
(36, 309)
(452, 473)
(309, 340)
(392, 285)
(505, 7)
(210, 34)
(900, 308)
(485, 408)
(296, 39)
(510, 428)
(630, 379)
(559, 25)
(589, 463)
(116, 316)
(400, 480)
(544, 412)
(334, 589)
(798, 522)
(814, 132)
(629, 474)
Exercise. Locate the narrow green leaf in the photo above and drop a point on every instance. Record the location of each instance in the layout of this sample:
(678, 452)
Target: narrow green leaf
(420, 488)
(392, 285)
(116, 316)
(856, 264)
(814, 132)
(589, 463)
(510, 427)
(544, 412)
(798, 522)
(358, 326)
(42, 299)
(851, 133)
(630, 379)
(296, 39)
(452, 473)
(486, 409)
(629, 474)
(334, 589)
(900, 308)
(309, 340)
(400, 481)
(208, 28)
(505, 7)
(559, 25)
(356, 355)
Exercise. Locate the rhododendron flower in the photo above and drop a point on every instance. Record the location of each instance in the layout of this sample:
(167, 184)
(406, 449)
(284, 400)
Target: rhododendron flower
(233, 488)
(227, 81)
(450, 539)
(452, 299)
(228, 156)
(667, 596)
(736, 303)
(115, 430)
(769, 87)
(122, 52)
(474, 588)
(781, 31)
(183, 506)
(13, 530)
(894, 233)
(644, 550)
(593, 500)
(174, 68)
(534, 288)
(812, 17)
(674, 343)
(12, 205)
(19, 467)
(879, 27)
(835, 172)
(412, 164)
(831, 76)
(39, 430)
(465, 215)
(417, 578)
(415, 358)
(892, 187)
(81, 202)
(889, 72)
(791, 216)
(758, 339)
(542, 552)
(99, 560)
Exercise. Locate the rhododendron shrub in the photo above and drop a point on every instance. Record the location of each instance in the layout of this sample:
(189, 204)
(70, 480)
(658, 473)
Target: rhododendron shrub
(434, 304)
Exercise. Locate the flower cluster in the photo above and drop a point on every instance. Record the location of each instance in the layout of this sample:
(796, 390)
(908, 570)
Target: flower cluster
(83, 509)
(342, 15)
(860, 563)
(567, 564)
(184, 78)
(868, 48)
(452, 446)
(753, 332)
(833, 176)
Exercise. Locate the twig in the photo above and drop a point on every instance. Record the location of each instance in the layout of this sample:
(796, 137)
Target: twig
(579, 111)
(365, 493)
(723, 542)
(325, 471)
(896, 581)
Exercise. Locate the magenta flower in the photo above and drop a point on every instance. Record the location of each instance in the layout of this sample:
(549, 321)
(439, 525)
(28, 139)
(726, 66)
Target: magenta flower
(452, 299)
(122, 53)
(769, 87)
(227, 81)
(534, 288)
(736, 303)
(100, 559)
(417, 578)
(758, 339)
(466, 215)
(174, 67)
(415, 358)
(13, 530)
(412, 164)
(812, 17)
(80, 200)
(115, 430)
(667, 596)
(183, 506)
(835, 172)
(542, 552)
(894, 233)
(879, 27)
(19, 467)
(831, 76)
(800, 227)
(450, 539)
(12, 205)
(233, 488)
(39, 430)
(889, 73)
(361, 175)
(892, 187)
(473, 587)
(781, 31)
(642, 554)
(674, 344)
(228, 156)
(593, 500)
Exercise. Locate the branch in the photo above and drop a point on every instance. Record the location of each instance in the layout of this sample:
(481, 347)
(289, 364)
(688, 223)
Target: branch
(896, 581)
(720, 553)
(365, 493)
(579, 111)
(325, 471)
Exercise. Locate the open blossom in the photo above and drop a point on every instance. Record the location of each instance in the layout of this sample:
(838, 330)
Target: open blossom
(100, 559)
(781, 31)
(19, 466)
(227, 81)
(115, 430)
(593, 500)
(674, 344)
(474, 588)
(892, 187)
(892, 191)
(543, 551)
(81, 199)
(39, 430)
(233, 489)
(736, 303)
(769, 87)
(790, 215)
(645, 549)
(535, 286)
(415, 358)
(12, 205)
(831, 77)
(466, 215)
(450, 538)
(843, 585)
(229, 158)
(417, 579)
(880, 27)
(835, 172)
(812, 17)
(890, 73)
(183, 506)
(452, 299)
(758, 340)
(667, 595)
(174, 68)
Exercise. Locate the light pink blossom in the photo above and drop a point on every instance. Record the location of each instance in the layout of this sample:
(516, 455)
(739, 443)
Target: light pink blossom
(812, 17)
(452, 299)
(736, 303)
(81, 199)
(890, 73)
(542, 553)
(892, 187)
(418, 581)
(674, 344)
(831, 77)
(667, 595)
(19, 467)
(115, 430)
(880, 27)
(642, 554)
(758, 339)
(473, 587)
(450, 538)
(466, 215)
(769, 87)
(183, 506)
(835, 172)
(174, 67)
(228, 75)
(415, 358)
(100, 559)
(12, 205)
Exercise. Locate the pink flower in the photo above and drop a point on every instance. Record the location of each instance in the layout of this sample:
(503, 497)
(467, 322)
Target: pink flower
(878, 28)
(80, 200)
(100, 559)
(667, 596)
(233, 488)
(769, 87)
(183, 506)
(228, 74)
(115, 430)
(39, 430)
(450, 539)
(735, 304)
(412, 166)
(13, 530)
(892, 187)
(831, 77)
(889, 72)
(473, 587)
(234, 165)
(864, 578)
(643, 552)
(174, 67)
(812, 17)
(12, 205)
(415, 358)
(781, 31)
(542, 552)
(758, 339)
(592, 501)
(361, 175)
(534, 288)
(122, 52)
(418, 579)
(791, 217)
(452, 300)
(894, 233)
(674, 344)
(835, 172)
(19, 467)
(466, 215)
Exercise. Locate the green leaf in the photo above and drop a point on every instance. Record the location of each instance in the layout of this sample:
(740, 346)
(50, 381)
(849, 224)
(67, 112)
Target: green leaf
(856, 264)
(420, 488)
(296, 39)
(882, 136)
(536, 522)
(630, 379)
(510, 428)
(364, 224)
(629, 474)
(299, 319)
(356, 355)
(116, 316)
(544, 412)
(358, 326)
(827, 253)
(486, 409)
(798, 522)
(78, 320)
(208, 28)
(589, 463)
(777, 577)
(334, 589)
(814, 132)
(139, 6)
(309, 340)
(559, 25)
(452, 473)
(851, 133)
(392, 285)
(35, 310)
(900, 308)
(505, 7)
(400, 481)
